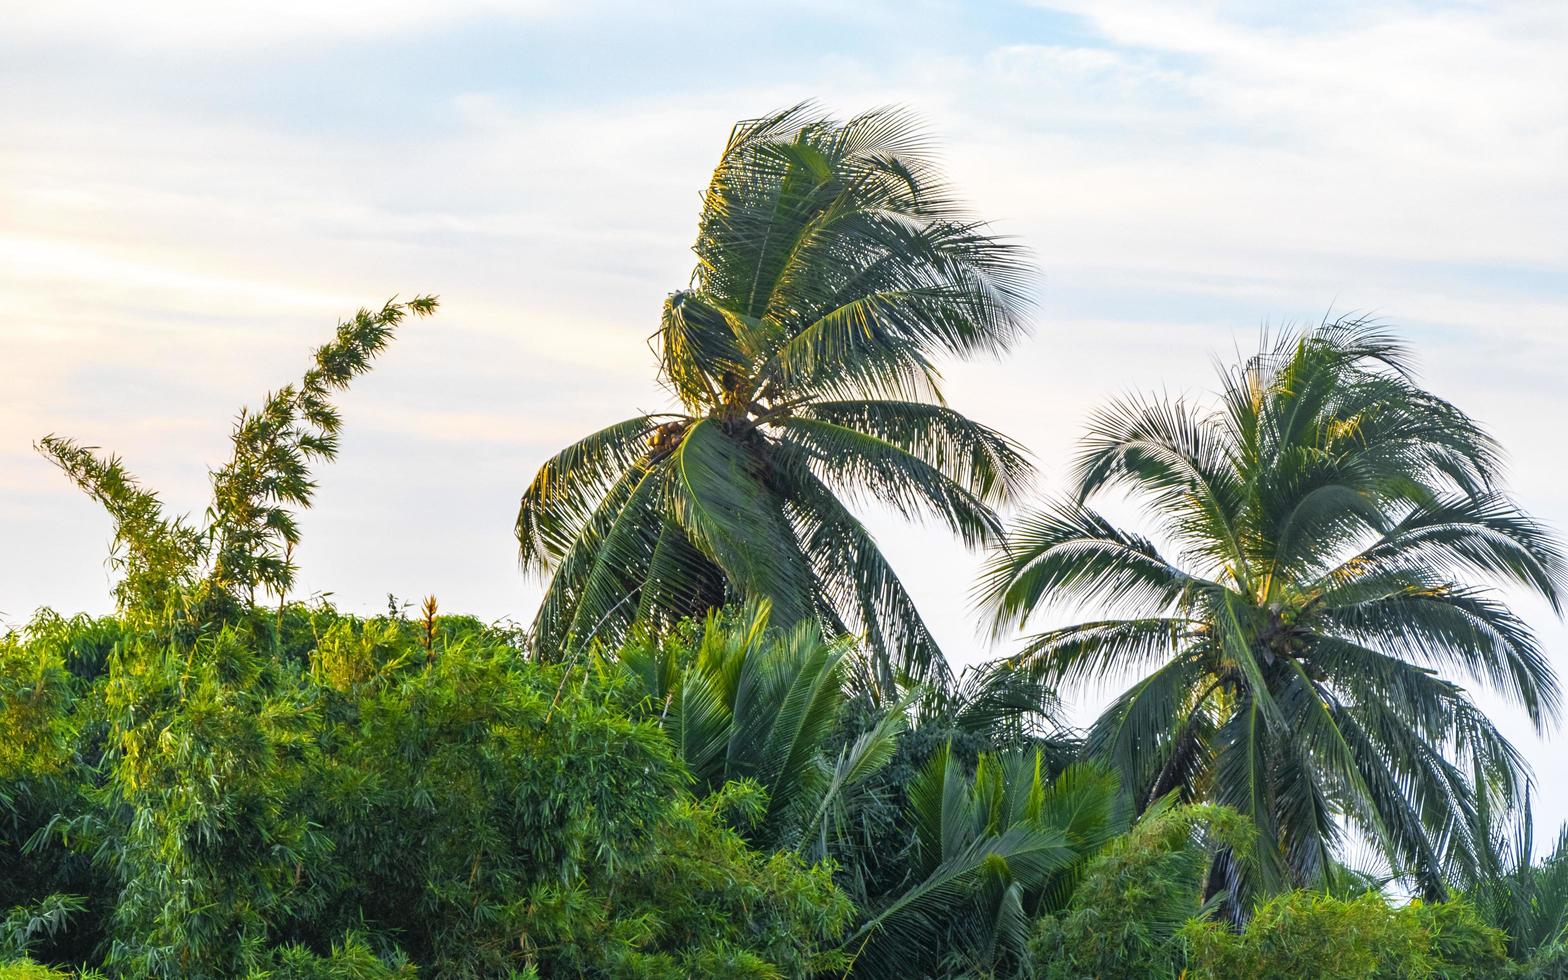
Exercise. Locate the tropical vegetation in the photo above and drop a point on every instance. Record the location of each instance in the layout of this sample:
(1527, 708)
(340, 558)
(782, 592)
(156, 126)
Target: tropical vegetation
(727, 746)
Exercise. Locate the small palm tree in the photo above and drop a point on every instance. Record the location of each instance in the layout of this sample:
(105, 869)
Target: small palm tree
(991, 851)
(749, 702)
(833, 267)
(1525, 898)
(1333, 526)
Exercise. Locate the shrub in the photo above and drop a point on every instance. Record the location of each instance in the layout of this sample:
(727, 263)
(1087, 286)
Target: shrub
(1127, 910)
(49, 739)
(430, 794)
(25, 969)
(1310, 934)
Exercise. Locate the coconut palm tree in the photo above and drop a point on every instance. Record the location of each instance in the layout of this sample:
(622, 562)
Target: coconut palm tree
(1315, 586)
(833, 268)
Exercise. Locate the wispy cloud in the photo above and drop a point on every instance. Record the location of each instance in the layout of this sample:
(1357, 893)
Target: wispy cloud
(190, 24)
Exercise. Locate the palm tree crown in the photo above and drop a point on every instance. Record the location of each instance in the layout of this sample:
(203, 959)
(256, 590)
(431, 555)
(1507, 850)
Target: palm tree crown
(1332, 527)
(833, 267)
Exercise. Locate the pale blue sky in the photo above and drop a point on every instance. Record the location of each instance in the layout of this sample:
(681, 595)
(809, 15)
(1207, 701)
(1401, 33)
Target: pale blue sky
(190, 196)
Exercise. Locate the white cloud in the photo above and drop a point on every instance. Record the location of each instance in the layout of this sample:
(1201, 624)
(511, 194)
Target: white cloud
(194, 24)
(1201, 143)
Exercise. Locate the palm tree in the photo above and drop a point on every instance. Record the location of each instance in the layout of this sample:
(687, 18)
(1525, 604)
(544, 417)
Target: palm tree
(1331, 529)
(991, 850)
(833, 268)
(1524, 898)
(1529, 903)
(747, 701)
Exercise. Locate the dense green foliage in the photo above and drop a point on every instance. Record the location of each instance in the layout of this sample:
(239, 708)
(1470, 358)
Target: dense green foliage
(729, 747)
(1126, 914)
(1304, 934)
(396, 796)
(457, 808)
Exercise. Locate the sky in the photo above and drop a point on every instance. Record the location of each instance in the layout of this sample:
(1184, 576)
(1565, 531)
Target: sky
(192, 194)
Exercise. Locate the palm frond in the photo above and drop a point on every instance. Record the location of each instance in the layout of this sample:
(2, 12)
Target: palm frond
(858, 582)
(1071, 554)
(984, 462)
(737, 521)
(560, 501)
(858, 463)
